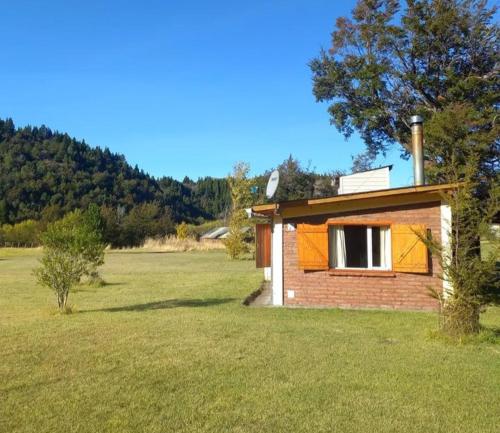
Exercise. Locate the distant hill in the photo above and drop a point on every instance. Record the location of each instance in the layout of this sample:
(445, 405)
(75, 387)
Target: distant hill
(44, 174)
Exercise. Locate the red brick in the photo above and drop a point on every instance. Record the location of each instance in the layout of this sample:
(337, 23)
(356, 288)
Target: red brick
(404, 291)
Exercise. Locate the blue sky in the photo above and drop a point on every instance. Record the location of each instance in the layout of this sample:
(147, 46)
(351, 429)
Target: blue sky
(179, 87)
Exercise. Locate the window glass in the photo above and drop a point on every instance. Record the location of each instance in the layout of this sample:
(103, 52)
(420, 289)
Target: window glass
(356, 247)
(353, 246)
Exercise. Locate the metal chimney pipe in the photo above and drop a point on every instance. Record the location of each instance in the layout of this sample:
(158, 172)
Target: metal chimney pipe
(417, 144)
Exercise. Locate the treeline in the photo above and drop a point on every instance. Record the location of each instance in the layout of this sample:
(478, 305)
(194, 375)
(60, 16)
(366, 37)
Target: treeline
(46, 174)
(23, 234)
(119, 229)
(297, 182)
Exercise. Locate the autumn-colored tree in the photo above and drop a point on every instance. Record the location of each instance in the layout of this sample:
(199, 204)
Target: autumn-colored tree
(182, 231)
(241, 198)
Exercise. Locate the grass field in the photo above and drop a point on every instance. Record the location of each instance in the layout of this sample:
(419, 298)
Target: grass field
(168, 347)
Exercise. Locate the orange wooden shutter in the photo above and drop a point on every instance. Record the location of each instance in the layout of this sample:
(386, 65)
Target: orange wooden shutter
(263, 245)
(312, 246)
(409, 253)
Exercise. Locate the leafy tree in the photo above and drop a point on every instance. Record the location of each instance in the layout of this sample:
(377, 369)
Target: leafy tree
(94, 249)
(439, 59)
(22, 234)
(94, 219)
(474, 277)
(388, 62)
(3, 212)
(182, 231)
(146, 220)
(112, 225)
(295, 182)
(212, 195)
(59, 270)
(362, 162)
(241, 197)
(72, 247)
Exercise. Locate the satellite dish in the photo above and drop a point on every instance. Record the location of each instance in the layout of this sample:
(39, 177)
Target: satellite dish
(272, 183)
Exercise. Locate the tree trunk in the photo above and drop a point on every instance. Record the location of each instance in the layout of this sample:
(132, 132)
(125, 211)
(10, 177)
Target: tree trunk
(62, 299)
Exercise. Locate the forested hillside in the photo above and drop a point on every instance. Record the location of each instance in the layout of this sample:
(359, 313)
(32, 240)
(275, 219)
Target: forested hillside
(46, 174)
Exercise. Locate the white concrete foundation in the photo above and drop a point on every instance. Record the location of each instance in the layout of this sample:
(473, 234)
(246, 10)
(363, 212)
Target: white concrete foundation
(267, 274)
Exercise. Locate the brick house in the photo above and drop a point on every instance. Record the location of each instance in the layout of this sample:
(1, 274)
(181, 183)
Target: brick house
(361, 248)
(358, 250)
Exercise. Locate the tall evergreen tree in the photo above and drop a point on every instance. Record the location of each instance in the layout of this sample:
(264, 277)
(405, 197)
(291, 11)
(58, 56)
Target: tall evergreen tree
(439, 59)
(391, 60)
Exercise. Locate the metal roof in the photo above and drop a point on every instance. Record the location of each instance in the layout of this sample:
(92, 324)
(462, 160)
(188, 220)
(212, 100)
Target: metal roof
(215, 233)
(226, 235)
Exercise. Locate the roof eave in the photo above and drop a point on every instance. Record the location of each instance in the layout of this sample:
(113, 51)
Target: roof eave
(269, 209)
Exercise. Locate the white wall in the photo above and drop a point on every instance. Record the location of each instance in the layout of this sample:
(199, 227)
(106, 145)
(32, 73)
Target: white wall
(277, 260)
(365, 181)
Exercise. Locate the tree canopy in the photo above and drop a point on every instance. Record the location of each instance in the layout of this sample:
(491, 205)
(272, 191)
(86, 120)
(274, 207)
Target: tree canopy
(391, 60)
(46, 174)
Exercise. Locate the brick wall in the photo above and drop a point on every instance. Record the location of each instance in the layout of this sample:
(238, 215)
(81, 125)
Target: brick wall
(398, 291)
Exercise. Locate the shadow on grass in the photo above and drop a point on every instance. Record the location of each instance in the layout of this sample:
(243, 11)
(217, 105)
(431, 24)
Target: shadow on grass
(162, 305)
(89, 288)
(493, 330)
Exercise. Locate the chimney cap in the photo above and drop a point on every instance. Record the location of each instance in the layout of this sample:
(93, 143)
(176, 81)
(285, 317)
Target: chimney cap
(416, 119)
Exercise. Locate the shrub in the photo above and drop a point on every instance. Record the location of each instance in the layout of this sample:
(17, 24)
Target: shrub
(72, 247)
(60, 270)
(241, 197)
(472, 279)
(182, 231)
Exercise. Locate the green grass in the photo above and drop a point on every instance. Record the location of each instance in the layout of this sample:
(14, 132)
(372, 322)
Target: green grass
(168, 347)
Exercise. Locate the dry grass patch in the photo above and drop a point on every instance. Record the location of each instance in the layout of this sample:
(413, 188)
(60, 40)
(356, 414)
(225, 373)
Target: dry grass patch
(174, 244)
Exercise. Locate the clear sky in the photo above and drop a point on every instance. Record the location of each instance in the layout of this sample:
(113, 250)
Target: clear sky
(179, 87)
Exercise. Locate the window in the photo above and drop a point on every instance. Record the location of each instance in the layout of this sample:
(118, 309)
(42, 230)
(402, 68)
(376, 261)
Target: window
(359, 247)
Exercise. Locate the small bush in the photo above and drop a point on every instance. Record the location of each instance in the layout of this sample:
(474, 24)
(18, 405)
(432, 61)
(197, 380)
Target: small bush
(182, 231)
(72, 248)
(95, 279)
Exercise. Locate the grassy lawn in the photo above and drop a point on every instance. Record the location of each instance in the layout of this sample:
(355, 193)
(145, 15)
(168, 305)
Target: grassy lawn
(168, 347)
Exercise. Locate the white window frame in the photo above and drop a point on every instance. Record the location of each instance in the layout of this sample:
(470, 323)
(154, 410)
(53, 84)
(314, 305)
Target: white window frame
(369, 252)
